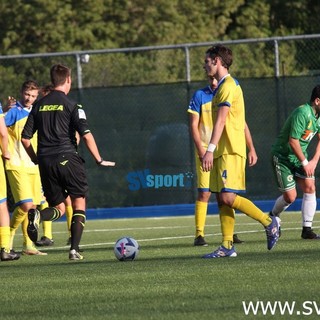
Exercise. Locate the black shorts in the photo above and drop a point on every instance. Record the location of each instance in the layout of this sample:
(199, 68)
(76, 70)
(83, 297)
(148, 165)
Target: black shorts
(63, 175)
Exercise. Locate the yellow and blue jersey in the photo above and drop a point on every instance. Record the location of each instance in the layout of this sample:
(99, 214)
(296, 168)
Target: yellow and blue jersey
(229, 94)
(15, 120)
(200, 104)
(3, 183)
(1, 116)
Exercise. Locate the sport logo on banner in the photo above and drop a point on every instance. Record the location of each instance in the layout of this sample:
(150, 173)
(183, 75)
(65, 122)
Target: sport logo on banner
(143, 179)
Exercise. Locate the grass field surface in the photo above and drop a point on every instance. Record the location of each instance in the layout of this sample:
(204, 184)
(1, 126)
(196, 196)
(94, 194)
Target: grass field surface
(169, 280)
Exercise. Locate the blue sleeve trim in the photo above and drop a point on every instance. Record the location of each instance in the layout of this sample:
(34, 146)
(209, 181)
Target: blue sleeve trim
(204, 190)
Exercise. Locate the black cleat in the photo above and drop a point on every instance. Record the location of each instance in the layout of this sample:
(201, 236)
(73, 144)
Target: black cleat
(33, 226)
(200, 242)
(236, 239)
(44, 242)
(307, 233)
(9, 256)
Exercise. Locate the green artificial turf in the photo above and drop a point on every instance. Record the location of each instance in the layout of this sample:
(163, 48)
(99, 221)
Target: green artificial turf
(169, 279)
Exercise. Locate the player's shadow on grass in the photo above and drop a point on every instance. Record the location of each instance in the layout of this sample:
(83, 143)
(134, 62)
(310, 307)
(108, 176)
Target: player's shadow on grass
(267, 258)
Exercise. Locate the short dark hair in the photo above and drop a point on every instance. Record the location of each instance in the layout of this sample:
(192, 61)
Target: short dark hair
(59, 74)
(47, 89)
(30, 85)
(224, 53)
(315, 93)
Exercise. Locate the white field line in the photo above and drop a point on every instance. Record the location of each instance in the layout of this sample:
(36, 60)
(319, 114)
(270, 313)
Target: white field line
(156, 239)
(87, 230)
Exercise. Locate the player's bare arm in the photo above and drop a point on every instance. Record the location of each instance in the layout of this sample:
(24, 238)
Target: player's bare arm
(92, 147)
(11, 101)
(194, 129)
(296, 148)
(207, 161)
(29, 149)
(252, 155)
(4, 140)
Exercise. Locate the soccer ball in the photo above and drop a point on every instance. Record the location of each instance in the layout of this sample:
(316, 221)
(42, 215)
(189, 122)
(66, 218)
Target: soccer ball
(126, 248)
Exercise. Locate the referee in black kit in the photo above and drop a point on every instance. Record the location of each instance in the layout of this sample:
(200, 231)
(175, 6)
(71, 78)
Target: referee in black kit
(56, 119)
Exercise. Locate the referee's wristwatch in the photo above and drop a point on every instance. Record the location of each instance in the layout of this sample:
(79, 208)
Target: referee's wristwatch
(99, 162)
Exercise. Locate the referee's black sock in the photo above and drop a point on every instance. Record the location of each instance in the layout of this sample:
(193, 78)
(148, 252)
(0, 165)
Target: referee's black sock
(50, 214)
(77, 225)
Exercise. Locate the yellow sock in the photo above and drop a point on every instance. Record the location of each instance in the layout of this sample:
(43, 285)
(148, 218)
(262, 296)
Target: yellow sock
(69, 213)
(47, 229)
(26, 240)
(43, 205)
(227, 222)
(247, 207)
(12, 234)
(18, 216)
(46, 225)
(200, 217)
(5, 238)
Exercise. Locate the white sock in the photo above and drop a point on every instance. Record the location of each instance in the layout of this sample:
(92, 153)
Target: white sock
(308, 208)
(279, 206)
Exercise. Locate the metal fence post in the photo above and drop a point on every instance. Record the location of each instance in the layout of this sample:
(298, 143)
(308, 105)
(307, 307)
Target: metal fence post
(79, 71)
(186, 50)
(276, 58)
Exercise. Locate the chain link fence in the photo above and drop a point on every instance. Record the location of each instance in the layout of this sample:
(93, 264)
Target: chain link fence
(136, 103)
(254, 58)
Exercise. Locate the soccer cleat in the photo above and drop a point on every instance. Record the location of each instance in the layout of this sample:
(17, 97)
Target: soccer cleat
(199, 241)
(9, 255)
(307, 233)
(221, 252)
(44, 242)
(279, 222)
(16, 254)
(236, 239)
(272, 232)
(33, 226)
(75, 255)
(32, 251)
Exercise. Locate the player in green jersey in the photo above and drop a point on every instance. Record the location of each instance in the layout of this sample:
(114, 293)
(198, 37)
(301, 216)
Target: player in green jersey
(291, 165)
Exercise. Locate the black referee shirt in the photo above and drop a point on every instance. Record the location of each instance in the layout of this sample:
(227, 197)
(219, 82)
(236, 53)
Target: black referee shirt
(56, 118)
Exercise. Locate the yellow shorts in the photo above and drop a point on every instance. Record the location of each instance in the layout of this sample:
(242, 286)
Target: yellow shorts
(228, 174)
(25, 187)
(3, 182)
(203, 178)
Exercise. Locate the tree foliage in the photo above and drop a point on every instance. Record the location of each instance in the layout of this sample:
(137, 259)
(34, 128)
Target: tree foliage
(47, 26)
(43, 26)
(52, 26)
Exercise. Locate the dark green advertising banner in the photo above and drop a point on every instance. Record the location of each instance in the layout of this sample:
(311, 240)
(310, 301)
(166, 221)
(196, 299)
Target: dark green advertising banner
(145, 130)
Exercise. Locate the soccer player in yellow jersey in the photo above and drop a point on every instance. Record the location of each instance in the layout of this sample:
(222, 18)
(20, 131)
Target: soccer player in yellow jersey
(23, 174)
(226, 154)
(200, 119)
(6, 253)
